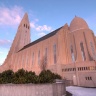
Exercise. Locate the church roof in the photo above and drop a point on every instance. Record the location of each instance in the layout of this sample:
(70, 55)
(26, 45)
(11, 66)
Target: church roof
(78, 23)
(41, 39)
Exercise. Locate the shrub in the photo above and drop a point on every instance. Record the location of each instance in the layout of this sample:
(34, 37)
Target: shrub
(22, 77)
(47, 76)
(19, 77)
(30, 77)
(6, 76)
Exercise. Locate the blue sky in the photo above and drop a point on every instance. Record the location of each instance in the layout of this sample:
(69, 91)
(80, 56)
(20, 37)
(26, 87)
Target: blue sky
(44, 16)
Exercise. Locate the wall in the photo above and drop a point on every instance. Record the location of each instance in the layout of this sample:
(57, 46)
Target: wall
(85, 74)
(55, 89)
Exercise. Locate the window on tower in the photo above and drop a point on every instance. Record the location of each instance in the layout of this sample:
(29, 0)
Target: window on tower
(24, 25)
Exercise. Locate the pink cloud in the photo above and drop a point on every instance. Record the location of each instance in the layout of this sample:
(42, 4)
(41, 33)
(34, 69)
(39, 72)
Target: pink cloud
(32, 24)
(43, 28)
(5, 43)
(10, 16)
(39, 28)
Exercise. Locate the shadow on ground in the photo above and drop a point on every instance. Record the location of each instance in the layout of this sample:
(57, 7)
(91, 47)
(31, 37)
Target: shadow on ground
(68, 94)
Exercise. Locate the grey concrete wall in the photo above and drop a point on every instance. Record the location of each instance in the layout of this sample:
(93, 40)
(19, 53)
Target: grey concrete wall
(55, 89)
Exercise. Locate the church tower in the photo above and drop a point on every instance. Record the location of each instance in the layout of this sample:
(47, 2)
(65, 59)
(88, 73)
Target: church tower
(22, 37)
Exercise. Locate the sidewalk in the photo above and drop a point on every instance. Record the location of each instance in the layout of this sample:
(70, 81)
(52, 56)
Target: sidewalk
(80, 91)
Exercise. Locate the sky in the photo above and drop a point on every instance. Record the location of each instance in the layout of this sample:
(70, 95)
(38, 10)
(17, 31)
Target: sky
(44, 16)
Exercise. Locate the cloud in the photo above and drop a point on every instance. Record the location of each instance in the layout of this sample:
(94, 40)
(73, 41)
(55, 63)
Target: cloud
(1, 52)
(43, 28)
(13, 16)
(5, 43)
(32, 24)
(41, 34)
(39, 27)
(36, 20)
(40, 30)
(10, 16)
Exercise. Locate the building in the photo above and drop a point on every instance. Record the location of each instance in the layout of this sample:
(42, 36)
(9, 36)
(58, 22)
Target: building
(69, 51)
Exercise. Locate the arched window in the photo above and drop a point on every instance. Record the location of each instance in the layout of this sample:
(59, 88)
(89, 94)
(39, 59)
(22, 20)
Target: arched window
(24, 25)
(82, 51)
(72, 54)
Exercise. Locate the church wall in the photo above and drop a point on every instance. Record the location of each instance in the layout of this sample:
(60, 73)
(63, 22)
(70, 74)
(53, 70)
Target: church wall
(61, 53)
(79, 37)
(27, 53)
(62, 45)
(85, 73)
(64, 55)
(90, 43)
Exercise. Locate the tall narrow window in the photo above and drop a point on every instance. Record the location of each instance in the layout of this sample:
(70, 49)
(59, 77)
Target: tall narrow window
(92, 48)
(82, 51)
(72, 54)
(39, 57)
(54, 51)
(33, 58)
(45, 55)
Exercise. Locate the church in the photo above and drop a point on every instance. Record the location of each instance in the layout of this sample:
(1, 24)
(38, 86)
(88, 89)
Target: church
(69, 51)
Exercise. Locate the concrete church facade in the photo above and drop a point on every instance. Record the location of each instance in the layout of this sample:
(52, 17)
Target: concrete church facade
(70, 51)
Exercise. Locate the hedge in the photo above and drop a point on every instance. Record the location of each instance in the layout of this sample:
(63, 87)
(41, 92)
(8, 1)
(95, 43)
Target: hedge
(23, 77)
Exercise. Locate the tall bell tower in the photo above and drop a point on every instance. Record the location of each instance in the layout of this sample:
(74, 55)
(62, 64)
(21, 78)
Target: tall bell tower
(22, 37)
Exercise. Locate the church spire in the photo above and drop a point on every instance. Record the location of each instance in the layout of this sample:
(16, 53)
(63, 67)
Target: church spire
(22, 37)
(25, 18)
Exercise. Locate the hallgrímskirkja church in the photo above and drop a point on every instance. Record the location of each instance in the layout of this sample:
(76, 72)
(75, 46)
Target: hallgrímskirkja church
(69, 51)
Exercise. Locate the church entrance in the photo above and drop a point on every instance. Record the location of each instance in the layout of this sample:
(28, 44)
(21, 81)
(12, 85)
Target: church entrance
(74, 80)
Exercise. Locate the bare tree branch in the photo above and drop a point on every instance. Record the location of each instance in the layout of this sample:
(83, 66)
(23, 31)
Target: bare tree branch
(43, 63)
